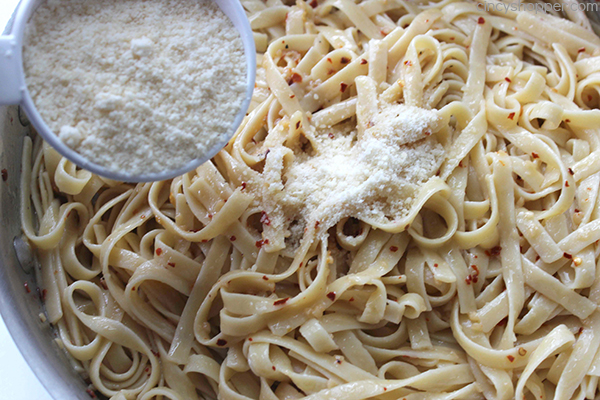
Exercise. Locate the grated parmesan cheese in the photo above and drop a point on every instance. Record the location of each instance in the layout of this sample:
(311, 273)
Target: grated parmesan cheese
(374, 178)
(135, 85)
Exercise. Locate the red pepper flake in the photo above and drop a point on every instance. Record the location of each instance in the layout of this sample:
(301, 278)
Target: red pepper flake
(507, 79)
(264, 218)
(329, 60)
(460, 164)
(481, 21)
(344, 60)
(580, 330)
(232, 238)
(567, 120)
(292, 96)
(435, 265)
(171, 264)
(510, 358)
(331, 135)
(363, 61)
(567, 255)
(408, 63)
(452, 38)
(576, 210)
(331, 296)
(298, 125)
(581, 50)
(475, 268)
(133, 289)
(566, 183)
(295, 78)
(250, 339)
(494, 252)
(155, 353)
(351, 299)
(384, 389)
(158, 251)
(343, 87)
(260, 243)
(221, 342)
(571, 171)
(313, 4)
(91, 393)
(244, 185)
(393, 249)
(26, 285)
(281, 302)
(469, 279)
(265, 278)
(274, 369)
(4, 175)
(522, 351)
(511, 115)
(534, 155)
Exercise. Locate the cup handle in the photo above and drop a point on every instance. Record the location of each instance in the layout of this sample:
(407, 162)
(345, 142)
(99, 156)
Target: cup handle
(11, 86)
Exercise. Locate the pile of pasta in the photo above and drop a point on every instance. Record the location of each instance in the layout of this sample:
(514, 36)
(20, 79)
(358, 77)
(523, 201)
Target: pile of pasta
(487, 287)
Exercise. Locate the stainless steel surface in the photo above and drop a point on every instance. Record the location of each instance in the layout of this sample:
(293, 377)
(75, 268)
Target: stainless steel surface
(19, 308)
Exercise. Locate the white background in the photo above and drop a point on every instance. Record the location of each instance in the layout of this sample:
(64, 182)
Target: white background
(17, 381)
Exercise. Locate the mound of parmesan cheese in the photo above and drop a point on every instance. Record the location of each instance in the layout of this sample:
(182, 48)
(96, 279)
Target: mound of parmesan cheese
(136, 86)
(374, 177)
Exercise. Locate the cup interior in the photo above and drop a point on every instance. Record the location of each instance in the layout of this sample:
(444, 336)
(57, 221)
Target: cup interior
(236, 14)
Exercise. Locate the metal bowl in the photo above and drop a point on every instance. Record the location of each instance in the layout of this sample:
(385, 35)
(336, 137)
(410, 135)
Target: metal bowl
(20, 307)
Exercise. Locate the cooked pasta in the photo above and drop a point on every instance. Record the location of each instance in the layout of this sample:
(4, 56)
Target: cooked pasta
(410, 210)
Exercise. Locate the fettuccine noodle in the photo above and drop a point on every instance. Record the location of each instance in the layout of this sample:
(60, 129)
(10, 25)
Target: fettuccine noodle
(468, 272)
